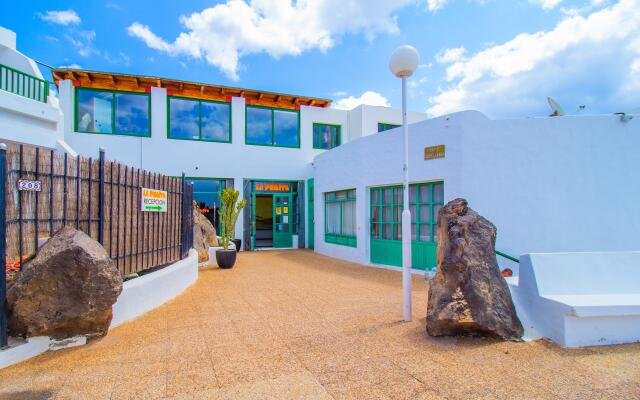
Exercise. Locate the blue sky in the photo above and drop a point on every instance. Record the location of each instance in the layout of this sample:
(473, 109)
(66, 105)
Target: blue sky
(502, 57)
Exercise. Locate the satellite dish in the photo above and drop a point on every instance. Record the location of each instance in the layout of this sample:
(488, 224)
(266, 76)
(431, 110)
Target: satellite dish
(557, 110)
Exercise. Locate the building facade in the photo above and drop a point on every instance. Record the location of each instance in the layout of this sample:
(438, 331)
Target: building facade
(263, 144)
(330, 179)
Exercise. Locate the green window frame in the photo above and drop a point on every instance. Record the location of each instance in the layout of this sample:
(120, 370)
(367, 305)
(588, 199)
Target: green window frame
(273, 142)
(222, 184)
(200, 102)
(386, 213)
(385, 126)
(339, 200)
(425, 200)
(114, 106)
(335, 136)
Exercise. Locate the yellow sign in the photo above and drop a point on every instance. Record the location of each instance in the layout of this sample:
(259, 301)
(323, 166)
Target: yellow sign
(272, 187)
(286, 210)
(278, 210)
(153, 200)
(433, 152)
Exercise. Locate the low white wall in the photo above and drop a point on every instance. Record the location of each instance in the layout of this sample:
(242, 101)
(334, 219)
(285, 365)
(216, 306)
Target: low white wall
(149, 291)
(24, 351)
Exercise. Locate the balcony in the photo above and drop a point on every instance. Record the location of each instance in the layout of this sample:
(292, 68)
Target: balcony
(22, 84)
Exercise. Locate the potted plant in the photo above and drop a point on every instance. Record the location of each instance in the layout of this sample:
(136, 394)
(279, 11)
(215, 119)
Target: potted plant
(229, 212)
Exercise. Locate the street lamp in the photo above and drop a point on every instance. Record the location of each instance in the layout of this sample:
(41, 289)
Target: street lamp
(403, 62)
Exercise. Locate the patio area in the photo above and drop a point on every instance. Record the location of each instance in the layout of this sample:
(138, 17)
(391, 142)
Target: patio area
(294, 324)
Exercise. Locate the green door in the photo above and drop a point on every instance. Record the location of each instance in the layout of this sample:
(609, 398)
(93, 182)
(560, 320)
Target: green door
(282, 236)
(310, 213)
(386, 216)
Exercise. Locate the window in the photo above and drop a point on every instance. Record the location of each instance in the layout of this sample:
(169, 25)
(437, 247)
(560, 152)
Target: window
(340, 217)
(199, 120)
(112, 112)
(326, 136)
(272, 127)
(383, 126)
(386, 213)
(426, 199)
(206, 193)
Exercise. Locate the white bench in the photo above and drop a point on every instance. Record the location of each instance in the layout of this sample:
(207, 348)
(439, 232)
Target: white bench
(579, 299)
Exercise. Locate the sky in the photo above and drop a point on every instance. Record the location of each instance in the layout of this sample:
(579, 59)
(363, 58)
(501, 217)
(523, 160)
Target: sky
(500, 57)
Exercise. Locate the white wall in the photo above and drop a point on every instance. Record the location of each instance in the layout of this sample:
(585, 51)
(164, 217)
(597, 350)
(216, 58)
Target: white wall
(22, 119)
(548, 184)
(206, 159)
(365, 119)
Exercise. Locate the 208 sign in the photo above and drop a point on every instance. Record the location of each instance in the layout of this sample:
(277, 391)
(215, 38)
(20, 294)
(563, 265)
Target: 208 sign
(29, 185)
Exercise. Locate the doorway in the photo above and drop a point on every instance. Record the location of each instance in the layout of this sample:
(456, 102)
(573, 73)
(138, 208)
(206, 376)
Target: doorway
(282, 234)
(264, 221)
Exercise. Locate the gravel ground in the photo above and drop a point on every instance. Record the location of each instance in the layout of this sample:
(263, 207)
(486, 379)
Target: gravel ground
(297, 325)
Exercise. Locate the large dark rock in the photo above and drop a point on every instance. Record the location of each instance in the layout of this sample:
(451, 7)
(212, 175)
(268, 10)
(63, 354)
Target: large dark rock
(468, 295)
(68, 289)
(204, 234)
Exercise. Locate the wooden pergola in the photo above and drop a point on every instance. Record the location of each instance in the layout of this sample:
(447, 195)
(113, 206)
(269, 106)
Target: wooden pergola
(207, 91)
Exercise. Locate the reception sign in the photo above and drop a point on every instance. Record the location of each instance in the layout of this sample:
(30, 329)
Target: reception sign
(433, 152)
(153, 200)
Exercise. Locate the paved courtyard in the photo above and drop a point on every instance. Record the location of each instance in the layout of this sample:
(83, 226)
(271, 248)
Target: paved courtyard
(296, 325)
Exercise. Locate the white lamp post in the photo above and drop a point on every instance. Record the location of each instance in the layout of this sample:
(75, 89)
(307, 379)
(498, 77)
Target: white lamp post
(403, 63)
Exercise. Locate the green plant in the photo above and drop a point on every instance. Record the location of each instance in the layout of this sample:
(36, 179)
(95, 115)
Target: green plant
(229, 212)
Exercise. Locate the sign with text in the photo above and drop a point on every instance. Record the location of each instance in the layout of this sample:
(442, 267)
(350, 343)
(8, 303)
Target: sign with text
(153, 200)
(433, 152)
(29, 185)
(281, 187)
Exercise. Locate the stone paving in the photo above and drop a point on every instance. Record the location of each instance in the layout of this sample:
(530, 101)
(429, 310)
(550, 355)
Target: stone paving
(297, 325)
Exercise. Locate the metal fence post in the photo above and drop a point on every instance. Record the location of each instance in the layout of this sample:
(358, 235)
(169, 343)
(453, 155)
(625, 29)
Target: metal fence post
(183, 229)
(101, 198)
(4, 339)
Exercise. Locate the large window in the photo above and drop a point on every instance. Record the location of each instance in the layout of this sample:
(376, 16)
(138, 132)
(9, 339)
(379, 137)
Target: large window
(272, 127)
(326, 136)
(112, 112)
(199, 120)
(383, 126)
(206, 194)
(425, 200)
(340, 217)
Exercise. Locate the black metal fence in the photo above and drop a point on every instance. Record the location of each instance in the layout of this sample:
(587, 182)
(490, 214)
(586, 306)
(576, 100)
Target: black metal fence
(43, 191)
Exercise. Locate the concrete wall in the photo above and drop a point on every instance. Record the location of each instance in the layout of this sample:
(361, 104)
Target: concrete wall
(23, 119)
(548, 184)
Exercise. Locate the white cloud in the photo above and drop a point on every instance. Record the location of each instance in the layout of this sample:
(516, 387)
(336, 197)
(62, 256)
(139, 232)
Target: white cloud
(435, 5)
(450, 55)
(226, 32)
(369, 98)
(151, 39)
(72, 66)
(546, 4)
(67, 17)
(82, 41)
(583, 60)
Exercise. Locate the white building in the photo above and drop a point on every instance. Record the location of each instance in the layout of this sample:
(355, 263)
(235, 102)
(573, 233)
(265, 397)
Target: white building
(324, 178)
(331, 179)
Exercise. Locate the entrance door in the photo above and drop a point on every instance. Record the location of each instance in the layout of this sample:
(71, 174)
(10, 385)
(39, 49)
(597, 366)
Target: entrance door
(263, 233)
(282, 235)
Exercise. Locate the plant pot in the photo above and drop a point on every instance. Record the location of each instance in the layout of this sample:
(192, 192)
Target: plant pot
(226, 258)
(238, 243)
